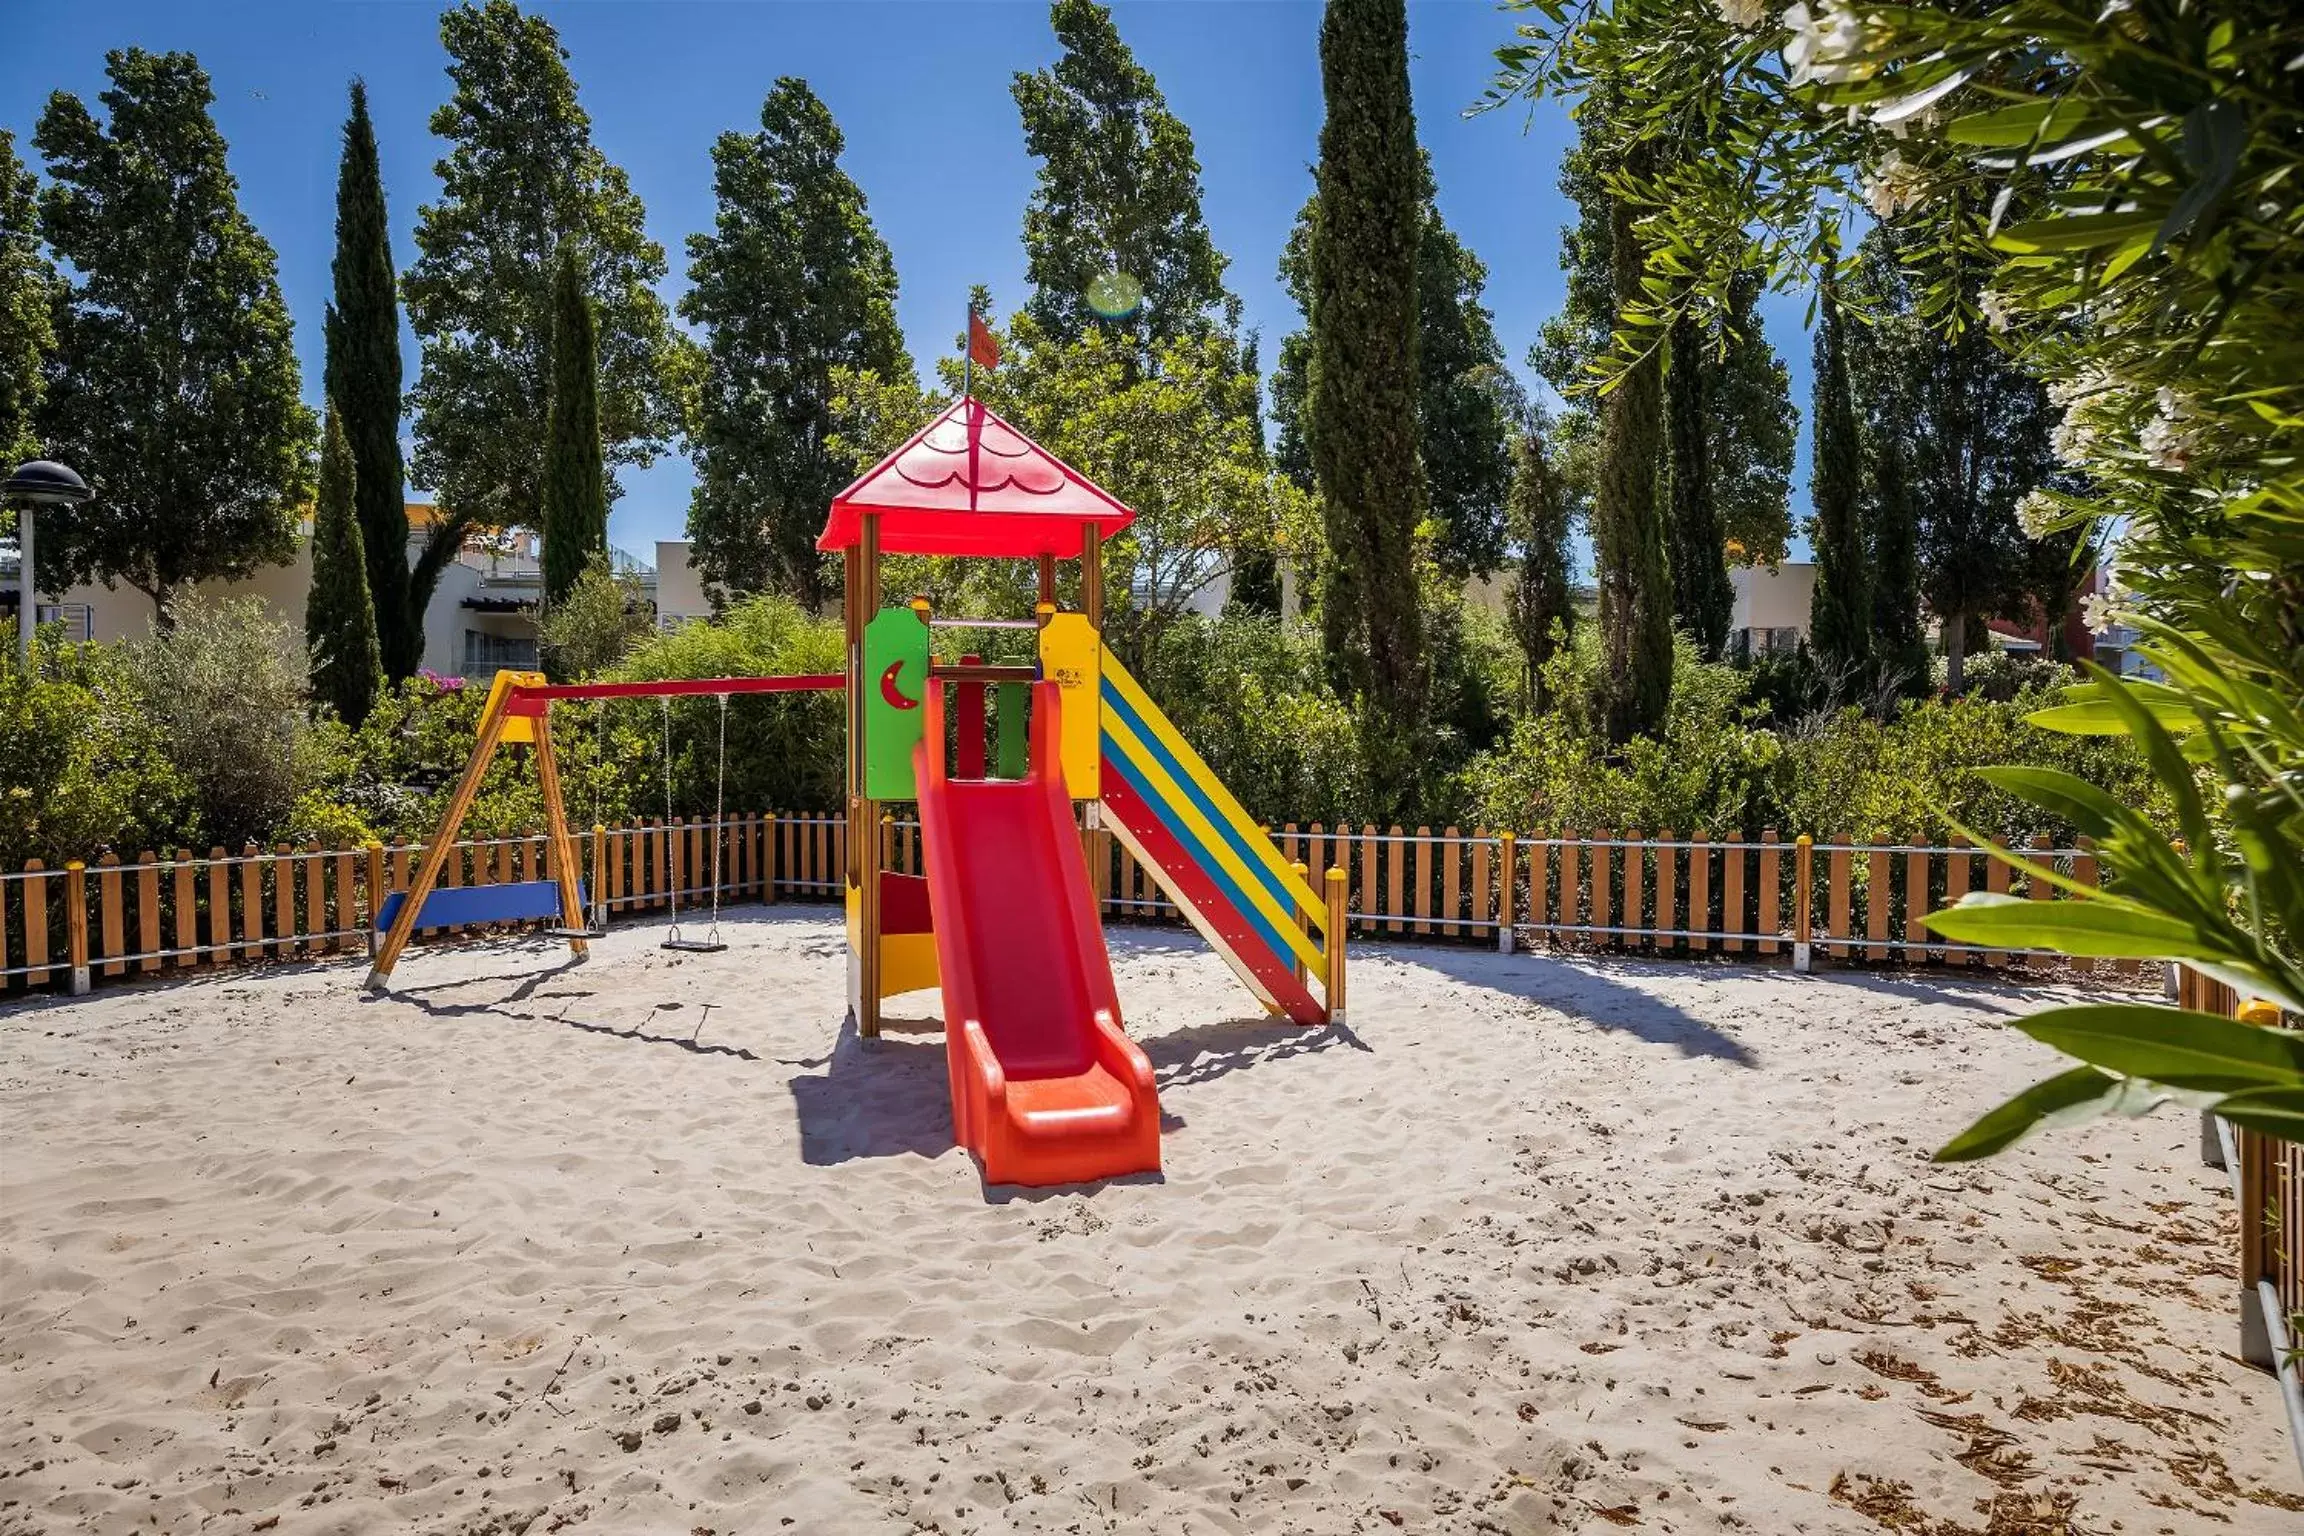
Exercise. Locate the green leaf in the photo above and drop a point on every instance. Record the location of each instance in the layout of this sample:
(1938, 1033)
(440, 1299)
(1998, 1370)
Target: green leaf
(2276, 1112)
(2074, 232)
(2090, 810)
(2180, 1048)
(2068, 1098)
(2102, 928)
(2214, 135)
(2010, 127)
(2097, 718)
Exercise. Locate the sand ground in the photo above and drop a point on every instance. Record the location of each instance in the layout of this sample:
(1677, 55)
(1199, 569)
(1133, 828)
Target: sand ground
(644, 1245)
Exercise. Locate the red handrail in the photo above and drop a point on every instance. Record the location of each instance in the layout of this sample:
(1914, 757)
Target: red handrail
(817, 682)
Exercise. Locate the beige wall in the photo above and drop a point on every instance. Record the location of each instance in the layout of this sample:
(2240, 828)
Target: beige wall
(1772, 599)
(680, 594)
(123, 613)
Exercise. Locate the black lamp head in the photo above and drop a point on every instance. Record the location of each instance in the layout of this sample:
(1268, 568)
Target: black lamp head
(45, 480)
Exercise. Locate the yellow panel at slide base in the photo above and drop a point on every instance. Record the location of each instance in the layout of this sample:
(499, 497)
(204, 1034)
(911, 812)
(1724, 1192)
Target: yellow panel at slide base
(521, 728)
(1072, 657)
(907, 960)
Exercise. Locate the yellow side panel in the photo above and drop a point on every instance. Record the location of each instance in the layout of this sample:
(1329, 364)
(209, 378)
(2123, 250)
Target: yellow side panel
(520, 727)
(907, 960)
(1072, 657)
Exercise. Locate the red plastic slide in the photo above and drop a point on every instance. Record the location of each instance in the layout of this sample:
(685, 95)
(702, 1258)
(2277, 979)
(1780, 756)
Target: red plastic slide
(1045, 1087)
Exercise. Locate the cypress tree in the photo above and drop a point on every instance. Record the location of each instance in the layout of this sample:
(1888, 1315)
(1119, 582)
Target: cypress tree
(575, 499)
(1537, 518)
(1628, 532)
(362, 379)
(339, 618)
(1702, 598)
(1363, 396)
(1897, 644)
(1840, 612)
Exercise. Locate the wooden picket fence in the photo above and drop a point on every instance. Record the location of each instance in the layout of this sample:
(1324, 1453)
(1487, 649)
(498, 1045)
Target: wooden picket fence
(2268, 1191)
(1632, 891)
(1651, 893)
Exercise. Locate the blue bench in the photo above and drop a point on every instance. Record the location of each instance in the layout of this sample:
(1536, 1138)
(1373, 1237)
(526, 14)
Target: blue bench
(457, 906)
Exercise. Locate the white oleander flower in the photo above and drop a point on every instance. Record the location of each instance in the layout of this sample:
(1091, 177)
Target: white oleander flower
(2037, 513)
(1742, 13)
(2167, 441)
(2100, 611)
(2074, 440)
(2167, 445)
(1893, 188)
(1826, 44)
(1995, 309)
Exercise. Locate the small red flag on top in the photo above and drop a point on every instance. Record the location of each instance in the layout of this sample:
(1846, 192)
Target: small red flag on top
(983, 346)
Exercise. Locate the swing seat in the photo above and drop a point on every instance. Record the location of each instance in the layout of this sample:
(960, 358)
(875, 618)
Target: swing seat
(711, 946)
(572, 933)
(459, 906)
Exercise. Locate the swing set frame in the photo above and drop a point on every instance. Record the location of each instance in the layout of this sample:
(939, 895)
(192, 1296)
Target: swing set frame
(522, 712)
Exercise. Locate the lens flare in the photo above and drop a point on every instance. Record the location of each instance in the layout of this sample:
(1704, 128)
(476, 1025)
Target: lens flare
(1115, 295)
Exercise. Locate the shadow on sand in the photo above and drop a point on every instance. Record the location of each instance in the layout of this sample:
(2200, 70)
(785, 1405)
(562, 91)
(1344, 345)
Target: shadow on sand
(1209, 1051)
(1602, 992)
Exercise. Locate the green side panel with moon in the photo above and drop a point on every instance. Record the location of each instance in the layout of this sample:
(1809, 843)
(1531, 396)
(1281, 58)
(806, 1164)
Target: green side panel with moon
(895, 681)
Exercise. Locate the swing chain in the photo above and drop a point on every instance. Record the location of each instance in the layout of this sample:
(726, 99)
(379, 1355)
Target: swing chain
(671, 883)
(719, 820)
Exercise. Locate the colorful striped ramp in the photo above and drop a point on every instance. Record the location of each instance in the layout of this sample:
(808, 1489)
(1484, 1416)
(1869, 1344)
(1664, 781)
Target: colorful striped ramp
(1216, 864)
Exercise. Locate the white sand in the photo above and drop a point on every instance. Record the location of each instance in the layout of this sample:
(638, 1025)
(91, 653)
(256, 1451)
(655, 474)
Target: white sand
(1539, 1246)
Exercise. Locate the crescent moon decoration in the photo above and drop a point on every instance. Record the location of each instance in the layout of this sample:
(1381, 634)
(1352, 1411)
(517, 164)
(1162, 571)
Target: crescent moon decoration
(888, 691)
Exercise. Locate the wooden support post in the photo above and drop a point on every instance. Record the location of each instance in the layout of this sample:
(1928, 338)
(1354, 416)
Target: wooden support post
(1539, 886)
(76, 926)
(219, 906)
(437, 850)
(560, 851)
(187, 910)
(1048, 579)
(148, 936)
(1803, 897)
(35, 924)
(1333, 982)
(863, 846)
(1092, 574)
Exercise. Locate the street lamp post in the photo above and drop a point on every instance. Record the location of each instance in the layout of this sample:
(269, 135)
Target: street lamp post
(42, 482)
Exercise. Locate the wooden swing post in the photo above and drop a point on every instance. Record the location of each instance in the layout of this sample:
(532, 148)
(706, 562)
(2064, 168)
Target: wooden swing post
(573, 918)
(443, 840)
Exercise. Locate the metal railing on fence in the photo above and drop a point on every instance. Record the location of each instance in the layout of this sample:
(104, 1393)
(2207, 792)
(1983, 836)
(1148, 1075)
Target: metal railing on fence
(1634, 891)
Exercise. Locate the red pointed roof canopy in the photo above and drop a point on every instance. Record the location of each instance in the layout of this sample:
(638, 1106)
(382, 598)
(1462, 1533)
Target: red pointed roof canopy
(968, 483)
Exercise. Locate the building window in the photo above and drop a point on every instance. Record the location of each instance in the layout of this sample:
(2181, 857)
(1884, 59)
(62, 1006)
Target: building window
(1761, 640)
(77, 619)
(485, 655)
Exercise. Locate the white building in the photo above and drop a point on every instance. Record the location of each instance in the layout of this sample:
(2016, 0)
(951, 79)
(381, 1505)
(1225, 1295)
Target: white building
(482, 616)
(1770, 617)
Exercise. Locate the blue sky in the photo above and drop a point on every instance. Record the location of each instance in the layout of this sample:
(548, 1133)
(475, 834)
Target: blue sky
(920, 87)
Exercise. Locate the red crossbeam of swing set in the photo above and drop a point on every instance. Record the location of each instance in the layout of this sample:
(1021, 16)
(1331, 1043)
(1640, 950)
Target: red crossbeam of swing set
(538, 695)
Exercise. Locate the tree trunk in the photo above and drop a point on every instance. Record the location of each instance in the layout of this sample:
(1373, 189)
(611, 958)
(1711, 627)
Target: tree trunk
(1955, 652)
